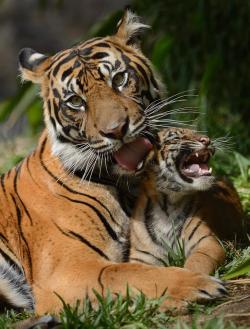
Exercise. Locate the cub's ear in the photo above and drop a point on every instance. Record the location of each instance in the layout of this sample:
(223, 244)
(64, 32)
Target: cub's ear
(32, 64)
(130, 28)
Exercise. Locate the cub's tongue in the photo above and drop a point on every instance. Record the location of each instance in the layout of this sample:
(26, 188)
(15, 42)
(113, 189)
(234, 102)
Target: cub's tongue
(130, 155)
(197, 169)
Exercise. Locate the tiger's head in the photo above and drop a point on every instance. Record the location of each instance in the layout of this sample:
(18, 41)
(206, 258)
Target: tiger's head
(95, 95)
(181, 161)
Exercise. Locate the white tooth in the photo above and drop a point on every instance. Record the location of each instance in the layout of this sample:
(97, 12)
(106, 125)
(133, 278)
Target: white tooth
(197, 156)
(210, 170)
(140, 165)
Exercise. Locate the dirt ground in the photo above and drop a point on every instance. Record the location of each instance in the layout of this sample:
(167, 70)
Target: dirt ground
(235, 308)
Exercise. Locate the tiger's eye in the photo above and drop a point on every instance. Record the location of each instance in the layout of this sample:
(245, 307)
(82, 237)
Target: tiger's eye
(75, 102)
(119, 79)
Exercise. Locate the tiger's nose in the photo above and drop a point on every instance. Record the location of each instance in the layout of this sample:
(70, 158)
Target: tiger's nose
(205, 140)
(117, 130)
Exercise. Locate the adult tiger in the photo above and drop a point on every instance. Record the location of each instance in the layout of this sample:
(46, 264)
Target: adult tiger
(182, 204)
(62, 225)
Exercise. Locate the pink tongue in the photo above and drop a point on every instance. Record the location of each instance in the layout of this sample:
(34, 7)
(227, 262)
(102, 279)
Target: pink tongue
(197, 168)
(131, 154)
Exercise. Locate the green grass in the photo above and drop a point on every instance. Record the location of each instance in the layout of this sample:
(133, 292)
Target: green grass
(10, 317)
(126, 313)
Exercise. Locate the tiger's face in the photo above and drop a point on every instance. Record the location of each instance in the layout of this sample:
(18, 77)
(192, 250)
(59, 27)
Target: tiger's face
(182, 161)
(95, 95)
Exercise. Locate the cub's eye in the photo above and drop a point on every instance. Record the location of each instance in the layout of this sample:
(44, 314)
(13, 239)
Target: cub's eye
(119, 80)
(75, 102)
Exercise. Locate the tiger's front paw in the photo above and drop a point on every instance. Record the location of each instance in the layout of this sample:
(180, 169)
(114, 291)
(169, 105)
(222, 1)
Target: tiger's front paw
(194, 287)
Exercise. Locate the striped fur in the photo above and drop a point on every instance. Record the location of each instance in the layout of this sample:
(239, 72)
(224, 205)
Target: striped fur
(62, 218)
(175, 211)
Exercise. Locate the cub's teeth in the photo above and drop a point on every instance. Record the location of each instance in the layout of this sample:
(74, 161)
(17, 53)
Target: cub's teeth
(196, 154)
(210, 170)
(140, 165)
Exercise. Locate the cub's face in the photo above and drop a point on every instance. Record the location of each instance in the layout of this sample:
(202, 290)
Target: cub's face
(182, 161)
(95, 95)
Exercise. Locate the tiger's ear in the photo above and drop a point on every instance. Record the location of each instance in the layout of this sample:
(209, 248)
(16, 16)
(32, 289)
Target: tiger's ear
(129, 28)
(32, 64)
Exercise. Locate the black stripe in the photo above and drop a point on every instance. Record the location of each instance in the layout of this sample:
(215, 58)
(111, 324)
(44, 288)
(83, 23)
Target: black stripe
(196, 244)
(101, 44)
(99, 55)
(194, 230)
(149, 254)
(55, 109)
(19, 220)
(148, 221)
(155, 84)
(88, 42)
(109, 229)
(100, 277)
(3, 237)
(85, 52)
(2, 183)
(10, 261)
(190, 221)
(76, 236)
(83, 240)
(64, 61)
(56, 93)
(206, 293)
(143, 72)
(19, 198)
(60, 182)
(66, 73)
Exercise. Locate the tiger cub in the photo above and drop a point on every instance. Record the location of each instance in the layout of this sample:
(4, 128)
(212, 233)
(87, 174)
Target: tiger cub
(181, 202)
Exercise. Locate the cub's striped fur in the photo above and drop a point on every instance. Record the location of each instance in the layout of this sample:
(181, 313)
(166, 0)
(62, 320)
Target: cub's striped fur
(181, 202)
(61, 209)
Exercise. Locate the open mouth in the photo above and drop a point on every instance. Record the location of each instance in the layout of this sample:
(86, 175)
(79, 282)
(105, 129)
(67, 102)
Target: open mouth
(131, 156)
(196, 164)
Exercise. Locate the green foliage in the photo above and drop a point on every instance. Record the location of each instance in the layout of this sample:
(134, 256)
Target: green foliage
(10, 317)
(176, 256)
(237, 262)
(24, 103)
(202, 44)
(239, 265)
(137, 312)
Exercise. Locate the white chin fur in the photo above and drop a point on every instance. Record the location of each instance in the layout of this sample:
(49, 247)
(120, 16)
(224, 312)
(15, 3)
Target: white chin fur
(71, 158)
(201, 184)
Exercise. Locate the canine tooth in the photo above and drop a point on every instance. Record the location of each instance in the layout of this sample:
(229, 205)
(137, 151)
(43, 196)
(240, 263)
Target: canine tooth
(210, 170)
(196, 154)
(140, 165)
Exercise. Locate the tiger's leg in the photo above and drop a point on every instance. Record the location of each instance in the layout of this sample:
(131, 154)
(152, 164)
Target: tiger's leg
(75, 282)
(204, 252)
(15, 292)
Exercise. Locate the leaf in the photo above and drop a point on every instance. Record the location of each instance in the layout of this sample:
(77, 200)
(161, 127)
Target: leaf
(241, 269)
(244, 165)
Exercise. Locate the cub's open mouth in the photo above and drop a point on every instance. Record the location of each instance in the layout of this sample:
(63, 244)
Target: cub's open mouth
(131, 155)
(196, 164)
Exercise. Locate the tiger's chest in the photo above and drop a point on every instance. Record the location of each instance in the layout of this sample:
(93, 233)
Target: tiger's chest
(158, 230)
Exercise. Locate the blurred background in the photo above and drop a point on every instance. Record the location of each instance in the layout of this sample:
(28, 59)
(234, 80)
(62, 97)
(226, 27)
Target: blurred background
(194, 44)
